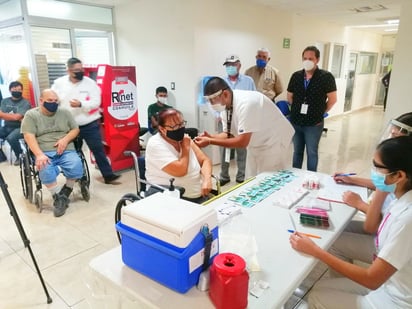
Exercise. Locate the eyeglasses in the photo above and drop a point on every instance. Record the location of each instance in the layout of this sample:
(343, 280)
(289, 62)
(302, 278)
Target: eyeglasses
(176, 126)
(377, 167)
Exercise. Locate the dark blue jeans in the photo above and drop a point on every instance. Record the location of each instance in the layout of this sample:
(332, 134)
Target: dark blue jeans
(12, 136)
(308, 136)
(91, 134)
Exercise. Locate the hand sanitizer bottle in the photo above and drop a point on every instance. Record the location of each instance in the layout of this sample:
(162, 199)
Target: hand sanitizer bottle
(172, 190)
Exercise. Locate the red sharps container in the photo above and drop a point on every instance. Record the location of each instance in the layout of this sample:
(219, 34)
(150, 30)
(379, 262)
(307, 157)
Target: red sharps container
(229, 282)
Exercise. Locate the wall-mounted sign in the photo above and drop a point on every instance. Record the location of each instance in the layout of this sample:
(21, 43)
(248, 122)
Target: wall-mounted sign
(286, 43)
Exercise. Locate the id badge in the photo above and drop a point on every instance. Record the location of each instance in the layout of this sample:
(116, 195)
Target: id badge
(227, 155)
(304, 109)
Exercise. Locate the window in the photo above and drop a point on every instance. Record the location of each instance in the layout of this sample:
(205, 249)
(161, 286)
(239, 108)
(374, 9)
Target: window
(10, 9)
(70, 11)
(94, 47)
(337, 59)
(367, 62)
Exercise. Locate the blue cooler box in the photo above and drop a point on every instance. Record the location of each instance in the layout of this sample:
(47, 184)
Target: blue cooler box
(161, 239)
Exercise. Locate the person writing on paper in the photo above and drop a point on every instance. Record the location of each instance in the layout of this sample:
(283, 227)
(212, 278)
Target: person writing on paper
(387, 282)
(172, 154)
(352, 244)
(401, 125)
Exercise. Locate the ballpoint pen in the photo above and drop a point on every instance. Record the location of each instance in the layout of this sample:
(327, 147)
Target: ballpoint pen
(306, 234)
(345, 174)
(293, 222)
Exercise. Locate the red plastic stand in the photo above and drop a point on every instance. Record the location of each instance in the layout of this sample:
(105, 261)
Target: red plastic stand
(120, 124)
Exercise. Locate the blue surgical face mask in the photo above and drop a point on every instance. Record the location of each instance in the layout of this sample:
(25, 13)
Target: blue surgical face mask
(378, 179)
(231, 70)
(260, 63)
(51, 106)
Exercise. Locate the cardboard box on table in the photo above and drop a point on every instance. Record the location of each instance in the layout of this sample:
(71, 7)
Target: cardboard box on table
(161, 239)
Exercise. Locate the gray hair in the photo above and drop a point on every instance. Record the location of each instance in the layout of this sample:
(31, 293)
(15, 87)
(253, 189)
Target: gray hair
(263, 49)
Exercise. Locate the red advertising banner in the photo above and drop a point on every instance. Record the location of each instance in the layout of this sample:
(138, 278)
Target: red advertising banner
(120, 125)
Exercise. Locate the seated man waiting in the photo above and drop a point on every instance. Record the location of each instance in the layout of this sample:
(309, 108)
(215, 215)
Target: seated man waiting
(158, 106)
(12, 111)
(49, 132)
(172, 154)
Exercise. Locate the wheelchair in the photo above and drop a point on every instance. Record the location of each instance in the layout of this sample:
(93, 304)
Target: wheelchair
(30, 179)
(139, 169)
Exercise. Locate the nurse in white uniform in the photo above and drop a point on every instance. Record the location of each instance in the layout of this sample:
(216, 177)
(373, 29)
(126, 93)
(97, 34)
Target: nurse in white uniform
(250, 120)
(387, 282)
(355, 242)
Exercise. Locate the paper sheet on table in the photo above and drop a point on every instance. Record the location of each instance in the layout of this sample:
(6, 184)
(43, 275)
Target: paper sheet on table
(332, 191)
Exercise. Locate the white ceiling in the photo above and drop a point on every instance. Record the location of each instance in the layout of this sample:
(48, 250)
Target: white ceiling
(341, 12)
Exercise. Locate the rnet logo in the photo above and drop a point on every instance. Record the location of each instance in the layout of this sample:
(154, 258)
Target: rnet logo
(124, 104)
(121, 96)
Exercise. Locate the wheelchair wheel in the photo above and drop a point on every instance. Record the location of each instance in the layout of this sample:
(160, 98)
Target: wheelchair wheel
(86, 172)
(84, 182)
(38, 200)
(26, 177)
(84, 189)
(124, 201)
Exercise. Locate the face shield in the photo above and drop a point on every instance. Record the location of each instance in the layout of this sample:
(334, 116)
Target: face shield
(394, 129)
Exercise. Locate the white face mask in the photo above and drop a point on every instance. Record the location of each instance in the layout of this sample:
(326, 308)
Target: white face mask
(308, 65)
(162, 100)
(218, 107)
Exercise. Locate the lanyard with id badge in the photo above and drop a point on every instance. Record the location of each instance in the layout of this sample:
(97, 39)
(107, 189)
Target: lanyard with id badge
(305, 105)
(229, 122)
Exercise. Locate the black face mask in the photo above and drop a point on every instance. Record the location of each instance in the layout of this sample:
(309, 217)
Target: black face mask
(176, 135)
(16, 94)
(51, 106)
(78, 75)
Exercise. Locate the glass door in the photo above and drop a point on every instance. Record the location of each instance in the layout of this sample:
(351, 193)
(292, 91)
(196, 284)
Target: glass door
(386, 66)
(14, 61)
(350, 81)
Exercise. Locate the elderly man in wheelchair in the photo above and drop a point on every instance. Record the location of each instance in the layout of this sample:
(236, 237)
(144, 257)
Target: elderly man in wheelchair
(49, 133)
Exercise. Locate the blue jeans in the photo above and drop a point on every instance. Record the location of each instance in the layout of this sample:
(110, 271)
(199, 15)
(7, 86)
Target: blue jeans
(12, 136)
(308, 136)
(91, 134)
(68, 162)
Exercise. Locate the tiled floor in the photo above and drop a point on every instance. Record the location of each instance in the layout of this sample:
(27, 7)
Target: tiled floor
(64, 246)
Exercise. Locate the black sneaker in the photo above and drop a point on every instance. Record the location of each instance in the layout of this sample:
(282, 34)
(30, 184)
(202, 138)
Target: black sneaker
(16, 163)
(66, 191)
(60, 204)
(109, 179)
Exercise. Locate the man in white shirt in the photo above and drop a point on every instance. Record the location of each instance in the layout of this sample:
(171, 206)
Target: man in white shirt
(250, 120)
(81, 95)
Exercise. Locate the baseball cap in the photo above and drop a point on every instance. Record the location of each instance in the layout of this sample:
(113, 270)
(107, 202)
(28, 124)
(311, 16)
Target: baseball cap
(231, 59)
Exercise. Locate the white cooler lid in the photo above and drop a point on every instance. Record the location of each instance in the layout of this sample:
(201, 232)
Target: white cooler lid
(167, 218)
